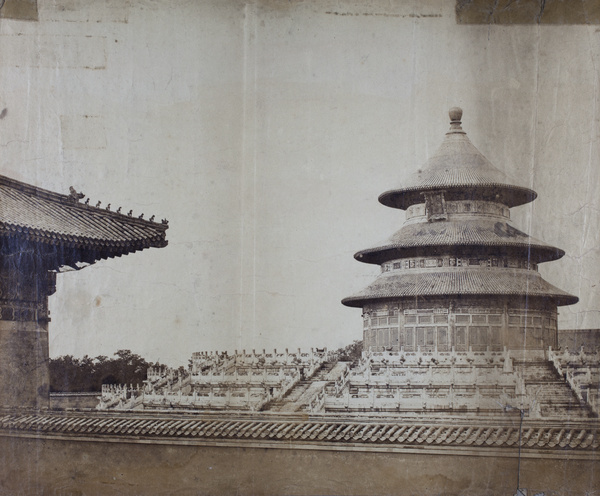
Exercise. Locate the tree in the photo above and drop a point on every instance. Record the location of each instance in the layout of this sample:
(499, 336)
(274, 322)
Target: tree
(351, 353)
(71, 374)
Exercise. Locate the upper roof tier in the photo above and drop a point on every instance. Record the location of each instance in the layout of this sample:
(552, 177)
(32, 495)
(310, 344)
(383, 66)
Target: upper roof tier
(69, 231)
(462, 172)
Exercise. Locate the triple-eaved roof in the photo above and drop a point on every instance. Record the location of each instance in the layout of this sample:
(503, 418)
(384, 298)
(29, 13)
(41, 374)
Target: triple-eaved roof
(445, 221)
(67, 228)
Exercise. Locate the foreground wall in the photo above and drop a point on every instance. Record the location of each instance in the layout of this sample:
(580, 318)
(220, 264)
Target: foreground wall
(35, 466)
(105, 454)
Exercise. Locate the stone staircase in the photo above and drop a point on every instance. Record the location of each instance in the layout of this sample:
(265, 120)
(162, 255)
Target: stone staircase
(548, 393)
(323, 373)
(545, 387)
(289, 399)
(298, 398)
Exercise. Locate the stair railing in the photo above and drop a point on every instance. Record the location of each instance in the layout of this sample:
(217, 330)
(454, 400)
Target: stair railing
(318, 402)
(342, 380)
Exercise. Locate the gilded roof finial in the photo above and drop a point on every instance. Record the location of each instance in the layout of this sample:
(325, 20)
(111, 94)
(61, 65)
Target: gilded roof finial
(455, 114)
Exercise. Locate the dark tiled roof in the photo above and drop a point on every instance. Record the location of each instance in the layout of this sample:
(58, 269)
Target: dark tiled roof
(35, 215)
(459, 281)
(460, 169)
(581, 436)
(474, 232)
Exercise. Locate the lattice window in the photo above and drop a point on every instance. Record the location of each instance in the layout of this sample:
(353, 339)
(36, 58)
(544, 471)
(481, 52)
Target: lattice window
(442, 335)
(495, 319)
(430, 336)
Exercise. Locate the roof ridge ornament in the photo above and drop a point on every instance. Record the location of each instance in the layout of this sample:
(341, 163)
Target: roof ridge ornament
(74, 195)
(455, 114)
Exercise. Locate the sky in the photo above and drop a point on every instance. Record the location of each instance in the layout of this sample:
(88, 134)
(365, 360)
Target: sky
(264, 132)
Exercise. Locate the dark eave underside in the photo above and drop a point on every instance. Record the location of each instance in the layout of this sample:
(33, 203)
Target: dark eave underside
(53, 256)
(511, 196)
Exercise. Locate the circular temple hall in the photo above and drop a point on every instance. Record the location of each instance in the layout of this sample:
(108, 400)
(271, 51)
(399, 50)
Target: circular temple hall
(457, 275)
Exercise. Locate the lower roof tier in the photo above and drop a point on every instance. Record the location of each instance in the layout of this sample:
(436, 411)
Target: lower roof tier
(457, 235)
(460, 281)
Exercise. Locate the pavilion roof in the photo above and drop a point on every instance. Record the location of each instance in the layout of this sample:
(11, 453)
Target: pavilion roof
(76, 230)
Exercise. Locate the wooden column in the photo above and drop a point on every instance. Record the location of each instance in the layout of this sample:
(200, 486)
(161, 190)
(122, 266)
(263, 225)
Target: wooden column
(24, 370)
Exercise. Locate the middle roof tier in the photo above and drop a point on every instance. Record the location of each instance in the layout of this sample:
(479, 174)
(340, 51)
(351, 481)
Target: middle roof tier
(489, 236)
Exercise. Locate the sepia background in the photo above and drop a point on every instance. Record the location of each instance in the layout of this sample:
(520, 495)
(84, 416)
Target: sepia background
(264, 131)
